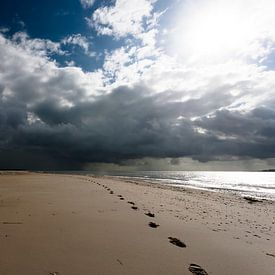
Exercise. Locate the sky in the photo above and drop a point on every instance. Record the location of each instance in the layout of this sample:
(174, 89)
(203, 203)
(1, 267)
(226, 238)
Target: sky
(137, 84)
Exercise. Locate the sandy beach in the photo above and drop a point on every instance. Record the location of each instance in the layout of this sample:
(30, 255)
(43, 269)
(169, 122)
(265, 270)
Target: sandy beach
(73, 225)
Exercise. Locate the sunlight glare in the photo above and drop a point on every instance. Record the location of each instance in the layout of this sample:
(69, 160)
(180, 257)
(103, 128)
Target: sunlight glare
(213, 30)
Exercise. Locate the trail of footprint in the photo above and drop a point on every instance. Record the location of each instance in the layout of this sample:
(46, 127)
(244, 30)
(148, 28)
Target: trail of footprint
(176, 242)
(197, 270)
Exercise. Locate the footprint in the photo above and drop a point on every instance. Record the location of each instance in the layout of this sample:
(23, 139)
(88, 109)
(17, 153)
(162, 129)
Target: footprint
(12, 223)
(119, 261)
(149, 214)
(111, 192)
(153, 225)
(176, 242)
(197, 270)
(134, 207)
(130, 202)
(121, 198)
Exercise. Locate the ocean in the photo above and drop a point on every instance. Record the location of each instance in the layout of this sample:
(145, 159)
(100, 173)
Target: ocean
(254, 184)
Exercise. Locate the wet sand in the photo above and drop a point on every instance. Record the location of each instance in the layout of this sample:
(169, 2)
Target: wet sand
(73, 225)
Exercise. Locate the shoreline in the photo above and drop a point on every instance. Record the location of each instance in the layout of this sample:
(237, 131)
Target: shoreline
(182, 188)
(76, 224)
(259, 195)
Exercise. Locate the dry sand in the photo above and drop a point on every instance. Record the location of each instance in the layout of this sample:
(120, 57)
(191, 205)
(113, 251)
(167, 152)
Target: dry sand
(73, 225)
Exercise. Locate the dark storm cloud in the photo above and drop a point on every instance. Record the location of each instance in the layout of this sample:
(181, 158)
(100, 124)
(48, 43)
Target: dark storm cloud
(127, 124)
(50, 117)
(247, 134)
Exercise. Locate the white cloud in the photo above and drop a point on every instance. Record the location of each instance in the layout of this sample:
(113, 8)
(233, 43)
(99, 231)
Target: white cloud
(79, 40)
(4, 29)
(70, 63)
(244, 83)
(241, 86)
(124, 18)
(87, 3)
(136, 22)
(122, 67)
(26, 71)
(41, 47)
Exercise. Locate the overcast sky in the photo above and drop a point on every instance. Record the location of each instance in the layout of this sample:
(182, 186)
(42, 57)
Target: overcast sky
(137, 84)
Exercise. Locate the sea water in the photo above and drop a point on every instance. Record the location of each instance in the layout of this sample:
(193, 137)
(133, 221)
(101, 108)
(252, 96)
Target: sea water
(255, 184)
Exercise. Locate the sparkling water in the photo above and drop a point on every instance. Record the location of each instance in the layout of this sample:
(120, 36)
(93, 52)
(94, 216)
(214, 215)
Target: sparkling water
(255, 184)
